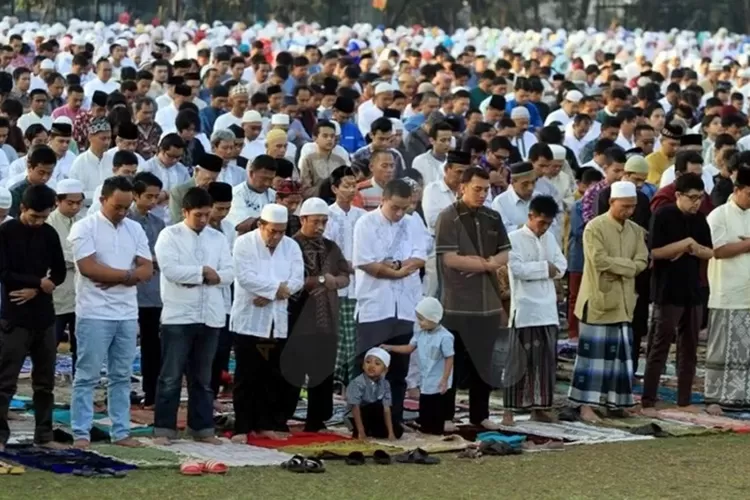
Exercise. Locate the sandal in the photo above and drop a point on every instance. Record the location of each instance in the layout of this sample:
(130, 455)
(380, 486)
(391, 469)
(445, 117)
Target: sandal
(313, 465)
(295, 464)
(191, 469)
(417, 456)
(355, 458)
(382, 458)
(497, 448)
(12, 470)
(470, 453)
(215, 467)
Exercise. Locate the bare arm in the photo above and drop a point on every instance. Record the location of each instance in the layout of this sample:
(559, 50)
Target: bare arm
(669, 252)
(731, 250)
(400, 349)
(246, 226)
(96, 271)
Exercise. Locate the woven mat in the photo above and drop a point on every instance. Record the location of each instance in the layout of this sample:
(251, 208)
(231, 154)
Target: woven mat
(143, 458)
(233, 455)
(430, 444)
(342, 448)
(671, 427)
(705, 420)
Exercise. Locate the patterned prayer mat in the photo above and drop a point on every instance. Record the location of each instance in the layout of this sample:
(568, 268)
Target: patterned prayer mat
(233, 455)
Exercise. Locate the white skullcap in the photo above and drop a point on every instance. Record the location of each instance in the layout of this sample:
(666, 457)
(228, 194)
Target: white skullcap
(745, 73)
(623, 189)
(430, 309)
(62, 120)
(425, 87)
(573, 96)
(520, 112)
(6, 200)
(398, 125)
(313, 206)
(47, 64)
(382, 88)
(78, 40)
(381, 354)
(274, 213)
(69, 186)
(251, 116)
(280, 119)
(715, 67)
(558, 152)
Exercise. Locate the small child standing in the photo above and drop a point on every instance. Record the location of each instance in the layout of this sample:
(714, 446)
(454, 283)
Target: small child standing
(434, 346)
(369, 399)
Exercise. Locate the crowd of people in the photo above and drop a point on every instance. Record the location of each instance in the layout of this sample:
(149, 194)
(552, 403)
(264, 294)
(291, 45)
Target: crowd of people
(370, 218)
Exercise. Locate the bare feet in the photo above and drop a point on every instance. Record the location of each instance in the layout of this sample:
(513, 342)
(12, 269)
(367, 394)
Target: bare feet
(209, 440)
(273, 435)
(631, 412)
(507, 418)
(690, 409)
(162, 441)
(81, 444)
(149, 407)
(239, 439)
(543, 416)
(588, 415)
(54, 445)
(650, 412)
(412, 393)
(449, 427)
(129, 442)
(490, 425)
(715, 410)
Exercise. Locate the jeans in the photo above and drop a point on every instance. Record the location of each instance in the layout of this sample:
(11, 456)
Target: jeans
(98, 339)
(186, 349)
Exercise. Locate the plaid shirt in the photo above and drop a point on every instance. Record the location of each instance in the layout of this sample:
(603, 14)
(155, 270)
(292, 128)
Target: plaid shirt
(81, 129)
(148, 139)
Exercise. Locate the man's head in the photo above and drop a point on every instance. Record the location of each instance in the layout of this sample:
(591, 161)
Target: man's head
(40, 164)
(69, 197)
(622, 200)
(689, 189)
(688, 162)
(221, 198)
(523, 179)
(441, 134)
(207, 170)
(382, 166)
(61, 133)
(645, 138)
(125, 164)
(196, 208)
(610, 128)
(36, 204)
(396, 200)
(614, 164)
(381, 132)
(276, 143)
(313, 215)
(116, 198)
(541, 156)
(100, 134)
(636, 170)
(171, 149)
(261, 172)
(344, 184)
(542, 213)
(22, 79)
(146, 189)
(325, 135)
(475, 186)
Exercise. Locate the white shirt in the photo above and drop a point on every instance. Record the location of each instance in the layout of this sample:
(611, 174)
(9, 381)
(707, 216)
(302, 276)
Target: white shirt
(575, 145)
(310, 147)
(436, 198)
(171, 177)
(30, 118)
(252, 149)
(533, 300)
(97, 84)
(430, 167)
(113, 246)
(182, 253)
(37, 83)
(17, 169)
(559, 115)
(108, 160)
(595, 165)
(163, 101)
(565, 186)
(513, 210)
(227, 229)
(259, 273)
(166, 116)
(232, 174)
(226, 120)
(90, 170)
(592, 135)
(624, 142)
(247, 203)
(377, 239)
(709, 171)
(524, 143)
(340, 230)
(366, 114)
(729, 279)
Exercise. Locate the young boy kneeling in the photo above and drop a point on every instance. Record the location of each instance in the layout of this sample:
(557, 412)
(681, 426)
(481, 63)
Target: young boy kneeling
(369, 399)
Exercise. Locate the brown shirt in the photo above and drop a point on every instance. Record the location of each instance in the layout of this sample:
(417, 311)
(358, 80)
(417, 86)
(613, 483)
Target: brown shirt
(469, 232)
(315, 168)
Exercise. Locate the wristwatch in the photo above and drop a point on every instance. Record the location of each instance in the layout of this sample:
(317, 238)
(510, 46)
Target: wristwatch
(322, 280)
(397, 264)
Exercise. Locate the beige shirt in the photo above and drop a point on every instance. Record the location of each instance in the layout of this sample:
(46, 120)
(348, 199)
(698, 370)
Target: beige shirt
(614, 254)
(315, 168)
(729, 279)
(64, 296)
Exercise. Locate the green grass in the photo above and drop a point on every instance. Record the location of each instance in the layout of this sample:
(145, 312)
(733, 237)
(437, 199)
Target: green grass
(682, 468)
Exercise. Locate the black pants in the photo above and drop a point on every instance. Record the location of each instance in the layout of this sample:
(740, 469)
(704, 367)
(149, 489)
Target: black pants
(311, 357)
(41, 344)
(640, 327)
(373, 420)
(434, 410)
(148, 323)
(221, 359)
(261, 393)
(63, 321)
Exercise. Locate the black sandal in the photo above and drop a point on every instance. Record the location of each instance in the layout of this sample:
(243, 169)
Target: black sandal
(417, 456)
(382, 458)
(355, 458)
(313, 465)
(295, 464)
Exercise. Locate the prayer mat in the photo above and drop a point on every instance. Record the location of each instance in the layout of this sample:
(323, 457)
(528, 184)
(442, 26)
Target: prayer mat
(22, 430)
(341, 449)
(706, 420)
(297, 439)
(514, 441)
(672, 427)
(143, 458)
(570, 432)
(339, 415)
(61, 461)
(233, 455)
(146, 417)
(430, 444)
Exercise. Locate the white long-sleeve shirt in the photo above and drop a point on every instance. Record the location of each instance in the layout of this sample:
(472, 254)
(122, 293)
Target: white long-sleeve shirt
(430, 167)
(259, 273)
(247, 203)
(171, 177)
(340, 230)
(533, 300)
(90, 170)
(709, 171)
(182, 253)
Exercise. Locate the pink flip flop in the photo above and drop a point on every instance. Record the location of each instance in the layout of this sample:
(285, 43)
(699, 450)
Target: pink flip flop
(191, 469)
(215, 467)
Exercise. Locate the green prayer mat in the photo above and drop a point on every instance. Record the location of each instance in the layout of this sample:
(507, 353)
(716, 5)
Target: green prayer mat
(143, 458)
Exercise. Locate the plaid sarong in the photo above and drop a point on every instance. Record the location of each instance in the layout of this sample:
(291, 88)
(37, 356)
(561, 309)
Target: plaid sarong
(603, 371)
(347, 350)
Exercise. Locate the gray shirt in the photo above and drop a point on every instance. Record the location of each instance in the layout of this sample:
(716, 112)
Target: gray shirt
(363, 391)
(148, 291)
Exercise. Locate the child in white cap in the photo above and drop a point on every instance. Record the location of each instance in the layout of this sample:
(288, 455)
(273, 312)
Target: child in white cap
(434, 346)
(369, 399)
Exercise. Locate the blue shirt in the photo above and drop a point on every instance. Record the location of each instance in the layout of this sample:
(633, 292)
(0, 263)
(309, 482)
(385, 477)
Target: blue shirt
(433, 347)
(649, 190)
(535, 120)
(351, 138)
(363, 391)
(575, 241)
(208, 115)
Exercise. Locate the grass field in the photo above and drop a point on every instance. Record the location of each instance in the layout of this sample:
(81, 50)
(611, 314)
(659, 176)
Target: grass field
(714, 467)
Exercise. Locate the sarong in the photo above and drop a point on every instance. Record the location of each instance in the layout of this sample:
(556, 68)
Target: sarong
(529, 378)
(603, 371)
(728, 358)
(347, 350)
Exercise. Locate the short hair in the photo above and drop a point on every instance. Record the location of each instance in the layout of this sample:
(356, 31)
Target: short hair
(143, 180)
(626, 115)
(123, 157)
(143, 101)
(397, 187)
(724, 140)
(38, 198)
(339, 173)
(128, 86)
(41, 155)
(688, 182)
(196, 198)
(34, 130)
(499, 142)
(683, 158)
(257, 98)
(643, 127)
(144, 75)
(540, 150)
(551, 135)
(12, 108)
(472, 172)
(381, 124)
(473, 143)
(602, 145)
(263, 162)
(483, 128)
(440, 126)
(187, 118)
(611, 122)
(733, 120)
(116, 183)
(620, 93)
(615, 155)
(172, 140)
(50, 78)
(222, 135)
(545, 206)
(19, 72)
(4, 122)
(323, 124)
(591, 175)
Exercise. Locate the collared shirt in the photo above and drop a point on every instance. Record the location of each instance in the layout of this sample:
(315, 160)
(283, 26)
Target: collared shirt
(182, 253)
(166, 116)
(430, 166)
(729, 279)
(116, 247)
(559, 115)
(17, 169)
(513, 210)
(148, 139)
(364, 154)
(88, 169)
(377, 239)
(96, 84)
(247, 203)
(533, 300)
(709, 172)
(208, 116)
(170, 177)
(340, 229)
(232, 174)
(259, 273)
(315, 168)
(433, 348)
(64, 296)
(148, 291)
(31, 118)
(363, 391)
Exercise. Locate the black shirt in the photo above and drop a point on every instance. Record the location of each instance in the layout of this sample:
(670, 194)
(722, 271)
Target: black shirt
(677, 282)
(28, 254)
(723, 188)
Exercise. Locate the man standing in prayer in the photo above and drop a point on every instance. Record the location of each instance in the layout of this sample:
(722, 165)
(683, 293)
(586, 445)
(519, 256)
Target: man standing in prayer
(112, 256)
(727, 358)
(387, 256)
(430, 164)
(614, 166)
(32, 265)
(535, 262)
(318, 166)
(268, 269)
(370, 191)
(204, 173)
(87, 168)
(513, 203)
(196, 267)
(679, 239)
(249, 197)
(40, 166)
(165, 165)
(471, 245)
(310, 352)
(614, 254)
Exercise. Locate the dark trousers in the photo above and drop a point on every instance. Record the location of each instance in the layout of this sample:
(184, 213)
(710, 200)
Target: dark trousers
(63, 321)
(187, 349)
(148, 324)
(373, 420)
(41, 344)
(574, 285)
(221, 359)
(640, 327)
(261, 393)
(434, 410)
(684, 322)
(311, 357)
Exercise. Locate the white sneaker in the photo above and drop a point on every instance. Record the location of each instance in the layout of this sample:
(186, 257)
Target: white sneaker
(490, 425)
